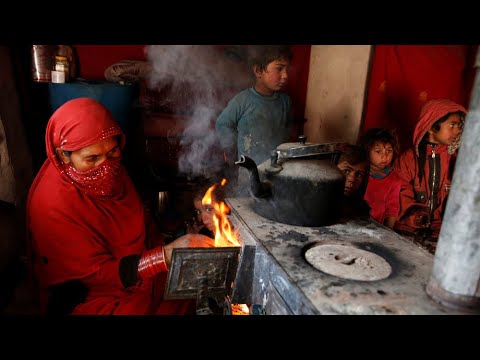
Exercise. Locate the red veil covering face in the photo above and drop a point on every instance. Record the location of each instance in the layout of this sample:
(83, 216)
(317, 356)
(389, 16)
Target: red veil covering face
(80, 233)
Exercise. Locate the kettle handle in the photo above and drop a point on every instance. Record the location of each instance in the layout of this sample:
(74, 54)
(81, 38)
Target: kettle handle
(274, 167)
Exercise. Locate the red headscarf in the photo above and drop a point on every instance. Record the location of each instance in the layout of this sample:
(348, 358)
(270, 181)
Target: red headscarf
(432, 111)
(73, 231)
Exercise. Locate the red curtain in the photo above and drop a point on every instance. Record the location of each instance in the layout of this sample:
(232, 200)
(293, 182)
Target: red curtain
(404, 77)
(298, 80)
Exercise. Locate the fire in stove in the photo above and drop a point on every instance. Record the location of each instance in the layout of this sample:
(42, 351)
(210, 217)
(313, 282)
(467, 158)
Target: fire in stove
(208, 274)
(224, 234)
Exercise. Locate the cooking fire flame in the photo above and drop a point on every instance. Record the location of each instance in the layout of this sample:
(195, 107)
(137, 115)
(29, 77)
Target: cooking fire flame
(224, 234)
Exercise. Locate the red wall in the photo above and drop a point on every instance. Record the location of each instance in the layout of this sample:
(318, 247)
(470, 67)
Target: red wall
(95, 59)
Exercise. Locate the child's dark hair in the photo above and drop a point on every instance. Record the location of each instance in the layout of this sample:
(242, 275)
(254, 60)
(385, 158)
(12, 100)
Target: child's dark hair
(353, 154)
(202, 187)
(436, 125)
(382, 136)
(262, 55)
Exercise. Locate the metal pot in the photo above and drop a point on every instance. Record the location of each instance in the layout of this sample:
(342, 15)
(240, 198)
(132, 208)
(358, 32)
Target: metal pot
(299, 185)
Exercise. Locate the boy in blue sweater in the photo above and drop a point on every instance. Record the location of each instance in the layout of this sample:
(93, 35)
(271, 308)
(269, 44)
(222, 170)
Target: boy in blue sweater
(259, 118)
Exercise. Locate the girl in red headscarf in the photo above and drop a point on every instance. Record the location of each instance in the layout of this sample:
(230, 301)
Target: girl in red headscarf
(87, 226)
(426, 170)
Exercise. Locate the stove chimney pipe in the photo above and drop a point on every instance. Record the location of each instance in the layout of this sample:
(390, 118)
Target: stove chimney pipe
(455, 278)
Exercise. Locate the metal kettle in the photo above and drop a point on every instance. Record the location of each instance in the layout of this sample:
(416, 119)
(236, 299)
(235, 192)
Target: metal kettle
(299, 185)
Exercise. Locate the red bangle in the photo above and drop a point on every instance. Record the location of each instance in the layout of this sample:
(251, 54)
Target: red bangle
(151, 263)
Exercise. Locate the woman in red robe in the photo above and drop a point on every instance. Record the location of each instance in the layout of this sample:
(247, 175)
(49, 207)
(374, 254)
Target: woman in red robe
(87, 224)
(426, 171)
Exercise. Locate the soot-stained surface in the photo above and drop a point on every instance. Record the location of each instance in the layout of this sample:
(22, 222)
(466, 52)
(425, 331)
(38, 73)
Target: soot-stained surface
(281, 268)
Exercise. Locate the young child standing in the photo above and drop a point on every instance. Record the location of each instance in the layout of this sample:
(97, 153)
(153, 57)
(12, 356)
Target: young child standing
(259, 118)
(426, 170)
(383, 189)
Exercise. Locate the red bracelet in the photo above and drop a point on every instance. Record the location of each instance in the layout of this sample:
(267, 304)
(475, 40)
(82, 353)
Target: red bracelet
(151, 263)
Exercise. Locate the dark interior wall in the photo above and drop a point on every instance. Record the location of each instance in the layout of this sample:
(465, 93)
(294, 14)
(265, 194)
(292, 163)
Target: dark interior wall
(12, 112)
(94, 59)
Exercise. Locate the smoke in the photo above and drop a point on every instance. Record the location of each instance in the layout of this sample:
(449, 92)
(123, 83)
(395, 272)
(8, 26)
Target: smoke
(197, 81)
(200, 64)
(200, 156)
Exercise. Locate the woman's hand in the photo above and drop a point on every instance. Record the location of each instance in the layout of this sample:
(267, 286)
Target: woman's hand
(185, 241)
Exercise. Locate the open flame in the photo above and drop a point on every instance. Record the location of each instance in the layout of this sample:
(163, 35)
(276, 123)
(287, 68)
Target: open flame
(224, 234)
(240, 309)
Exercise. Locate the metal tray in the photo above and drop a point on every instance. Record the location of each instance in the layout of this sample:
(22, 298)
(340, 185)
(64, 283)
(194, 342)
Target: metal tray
(207, 270)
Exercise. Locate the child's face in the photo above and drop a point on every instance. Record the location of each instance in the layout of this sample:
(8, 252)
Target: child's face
(197, 203)
(381, 156)
(204, 214)
(449, 131)
(274, 78)
(354, 175)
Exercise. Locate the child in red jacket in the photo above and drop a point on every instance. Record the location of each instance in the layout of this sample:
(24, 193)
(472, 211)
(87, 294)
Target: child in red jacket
(426, 171)
(383, 189)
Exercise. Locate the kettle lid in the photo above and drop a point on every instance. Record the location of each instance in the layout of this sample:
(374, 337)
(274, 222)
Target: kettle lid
(303, 149)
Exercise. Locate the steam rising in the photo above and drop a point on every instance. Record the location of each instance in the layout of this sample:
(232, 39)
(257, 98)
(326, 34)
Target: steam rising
(200, 80)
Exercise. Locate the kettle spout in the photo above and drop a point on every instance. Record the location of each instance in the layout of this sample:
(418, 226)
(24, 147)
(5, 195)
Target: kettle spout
(258, 189)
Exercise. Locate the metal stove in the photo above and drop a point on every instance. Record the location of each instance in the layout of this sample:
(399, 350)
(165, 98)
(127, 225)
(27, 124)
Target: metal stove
(204, 274)
(357, 267)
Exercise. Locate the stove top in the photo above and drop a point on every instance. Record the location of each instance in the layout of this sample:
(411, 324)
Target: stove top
(286, 282)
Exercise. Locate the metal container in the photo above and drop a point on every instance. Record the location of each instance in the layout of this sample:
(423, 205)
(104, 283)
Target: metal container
(42, 62)
(300, 184)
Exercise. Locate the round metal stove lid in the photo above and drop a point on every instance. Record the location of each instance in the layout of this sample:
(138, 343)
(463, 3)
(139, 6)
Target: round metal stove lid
(348, 262)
